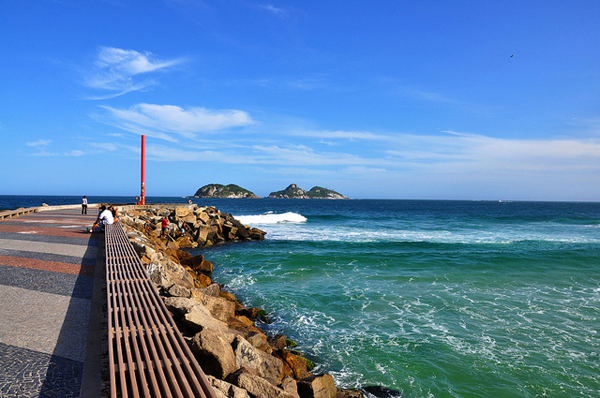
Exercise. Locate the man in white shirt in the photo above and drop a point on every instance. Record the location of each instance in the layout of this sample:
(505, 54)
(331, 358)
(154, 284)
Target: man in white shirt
(105, 218)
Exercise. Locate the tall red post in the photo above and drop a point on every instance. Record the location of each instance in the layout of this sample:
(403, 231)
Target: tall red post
(143, 194)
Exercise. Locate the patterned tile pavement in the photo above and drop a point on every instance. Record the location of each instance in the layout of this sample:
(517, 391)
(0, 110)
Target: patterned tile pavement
(48, 266)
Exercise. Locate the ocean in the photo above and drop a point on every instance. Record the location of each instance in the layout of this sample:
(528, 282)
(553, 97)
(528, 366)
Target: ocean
(427, 298)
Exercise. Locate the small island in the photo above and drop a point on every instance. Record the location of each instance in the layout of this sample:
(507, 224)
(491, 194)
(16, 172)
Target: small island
(230, 191)
(293, 191)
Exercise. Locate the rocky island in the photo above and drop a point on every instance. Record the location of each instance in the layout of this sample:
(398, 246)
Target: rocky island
(230, 191)
(293, 191)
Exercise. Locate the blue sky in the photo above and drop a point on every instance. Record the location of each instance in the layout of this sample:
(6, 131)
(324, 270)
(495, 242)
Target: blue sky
(380, 99)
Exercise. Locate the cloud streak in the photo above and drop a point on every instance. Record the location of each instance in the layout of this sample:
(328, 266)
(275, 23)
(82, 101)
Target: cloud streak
(162, 121)
(117, 71)
(39, 143)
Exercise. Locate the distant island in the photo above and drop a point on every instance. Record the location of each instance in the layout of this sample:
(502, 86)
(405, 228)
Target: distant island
(230, 191)
(295, 192)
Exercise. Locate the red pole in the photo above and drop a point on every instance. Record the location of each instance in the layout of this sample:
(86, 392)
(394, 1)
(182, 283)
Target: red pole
(143, 195)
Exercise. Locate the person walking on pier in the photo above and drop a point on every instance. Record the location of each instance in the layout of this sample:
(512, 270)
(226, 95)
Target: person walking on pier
(84, 204)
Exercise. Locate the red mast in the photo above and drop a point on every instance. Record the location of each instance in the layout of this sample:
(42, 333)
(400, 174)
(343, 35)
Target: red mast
(143, 194)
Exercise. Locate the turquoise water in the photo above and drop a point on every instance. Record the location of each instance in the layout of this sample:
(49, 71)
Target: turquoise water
(429, 298)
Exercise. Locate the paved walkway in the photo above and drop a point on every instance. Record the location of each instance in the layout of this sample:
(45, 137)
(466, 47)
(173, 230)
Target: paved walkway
(51, 281)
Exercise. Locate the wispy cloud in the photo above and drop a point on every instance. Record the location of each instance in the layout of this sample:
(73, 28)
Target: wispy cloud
(271, 8)
(106, 146)
(345, 135)
(39, 143)
(162, 120)
(116, 70)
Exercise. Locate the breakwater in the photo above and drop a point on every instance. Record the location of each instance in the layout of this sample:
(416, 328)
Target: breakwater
(236, 354)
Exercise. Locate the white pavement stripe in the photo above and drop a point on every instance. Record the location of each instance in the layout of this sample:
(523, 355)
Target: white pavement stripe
(64, 249)
(34, 320)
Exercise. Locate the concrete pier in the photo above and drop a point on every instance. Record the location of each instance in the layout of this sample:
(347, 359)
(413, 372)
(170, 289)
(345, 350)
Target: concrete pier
(51, 281)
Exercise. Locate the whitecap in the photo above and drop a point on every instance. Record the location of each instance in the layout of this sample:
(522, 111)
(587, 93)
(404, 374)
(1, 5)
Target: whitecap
(272, 218)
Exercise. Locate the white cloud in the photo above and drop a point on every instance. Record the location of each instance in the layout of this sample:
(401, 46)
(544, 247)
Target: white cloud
(106, 146)
(163, 119)
(39, 143)
(346, 135)
(273, 9)
(115, 70)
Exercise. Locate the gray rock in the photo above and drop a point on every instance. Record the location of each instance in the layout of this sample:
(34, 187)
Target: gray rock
(320, 386)
(265, 365)
(214, 352)
(228, 389)
(179, 291)
(289, 385)
(256, 385)
(212, 290)
(220, 308)
(194, 315)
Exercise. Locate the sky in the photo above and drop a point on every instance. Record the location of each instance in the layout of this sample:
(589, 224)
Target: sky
(478, 100)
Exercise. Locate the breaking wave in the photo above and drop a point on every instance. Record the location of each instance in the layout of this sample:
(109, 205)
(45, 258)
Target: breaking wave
(272, 218)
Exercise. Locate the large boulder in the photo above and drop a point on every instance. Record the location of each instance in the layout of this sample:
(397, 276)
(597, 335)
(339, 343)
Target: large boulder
(179, 255)
(182, 212)
(219, 307)
(212, 290)
(294, 365)
(228, 389)
(256, 385)
(202, 235)
(265, 365)
(194, 315)
(203, 217)
(213, 350)
(289, 385)
(179, 291)
(319, 386)
(185, 242)
(158, 274)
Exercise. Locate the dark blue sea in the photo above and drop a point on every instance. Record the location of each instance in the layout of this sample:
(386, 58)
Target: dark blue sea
(429, 298)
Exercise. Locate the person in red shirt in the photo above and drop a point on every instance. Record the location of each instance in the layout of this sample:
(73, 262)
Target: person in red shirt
(165, 222)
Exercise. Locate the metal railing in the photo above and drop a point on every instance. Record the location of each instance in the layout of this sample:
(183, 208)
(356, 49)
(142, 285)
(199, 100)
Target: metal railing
(148, 356)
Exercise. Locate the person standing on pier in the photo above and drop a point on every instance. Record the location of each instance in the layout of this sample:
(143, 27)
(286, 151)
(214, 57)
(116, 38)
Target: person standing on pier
(84, 204)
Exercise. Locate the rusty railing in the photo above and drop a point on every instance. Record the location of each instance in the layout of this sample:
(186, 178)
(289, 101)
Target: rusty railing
(148, 356)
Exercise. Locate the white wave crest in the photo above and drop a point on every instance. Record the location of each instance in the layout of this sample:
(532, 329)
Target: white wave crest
(272, 218)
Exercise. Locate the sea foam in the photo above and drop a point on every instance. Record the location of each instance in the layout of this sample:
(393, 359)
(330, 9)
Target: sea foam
(272, 218)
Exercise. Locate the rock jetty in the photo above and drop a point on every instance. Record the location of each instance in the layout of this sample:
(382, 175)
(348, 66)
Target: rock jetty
(240, 360)
(293, 191)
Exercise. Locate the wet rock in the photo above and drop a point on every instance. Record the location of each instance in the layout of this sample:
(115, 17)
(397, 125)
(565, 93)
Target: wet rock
(295, 365)
(381, 392)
